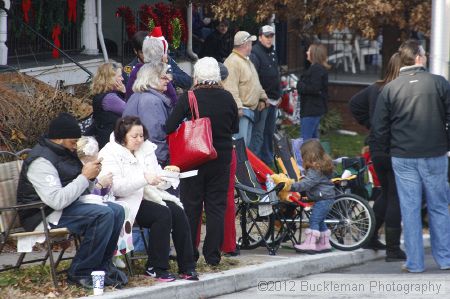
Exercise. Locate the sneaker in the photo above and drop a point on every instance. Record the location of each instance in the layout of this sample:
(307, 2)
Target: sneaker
(190, 275)
(407, 270)
(118, 262)
(160, 275)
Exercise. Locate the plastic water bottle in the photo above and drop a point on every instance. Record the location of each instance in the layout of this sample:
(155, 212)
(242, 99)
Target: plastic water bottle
(265, 210)
(270, 184)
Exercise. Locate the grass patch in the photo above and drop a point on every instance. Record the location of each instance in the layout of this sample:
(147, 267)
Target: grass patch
(344, 145)
(340, 145)
(35, 281)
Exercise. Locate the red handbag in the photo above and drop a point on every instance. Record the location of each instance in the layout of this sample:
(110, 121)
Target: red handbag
(191, 144)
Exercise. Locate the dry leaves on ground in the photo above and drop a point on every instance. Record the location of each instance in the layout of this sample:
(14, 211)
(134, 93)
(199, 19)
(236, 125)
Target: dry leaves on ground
(35, 281)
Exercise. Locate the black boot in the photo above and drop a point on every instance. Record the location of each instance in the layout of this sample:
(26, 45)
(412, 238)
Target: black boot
(375, 244)
(393, 251)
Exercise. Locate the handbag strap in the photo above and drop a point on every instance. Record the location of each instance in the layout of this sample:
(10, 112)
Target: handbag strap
(193, 105)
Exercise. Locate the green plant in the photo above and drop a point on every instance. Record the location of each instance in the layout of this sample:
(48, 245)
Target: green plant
(330, 122)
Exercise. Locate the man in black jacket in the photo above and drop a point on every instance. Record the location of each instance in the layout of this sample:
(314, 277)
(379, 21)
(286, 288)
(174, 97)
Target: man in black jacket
(411, 122)
(219, 43)
(265, 60)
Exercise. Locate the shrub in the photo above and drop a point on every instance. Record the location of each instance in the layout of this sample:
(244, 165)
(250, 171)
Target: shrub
(28, 105)
(330, 122)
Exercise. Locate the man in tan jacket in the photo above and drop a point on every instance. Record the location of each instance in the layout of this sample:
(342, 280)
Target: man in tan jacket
(243, 83)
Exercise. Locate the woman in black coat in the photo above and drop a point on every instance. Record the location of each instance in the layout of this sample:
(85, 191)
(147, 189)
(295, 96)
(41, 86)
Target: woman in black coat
(209, 187)
(386, 207)
(313, 90)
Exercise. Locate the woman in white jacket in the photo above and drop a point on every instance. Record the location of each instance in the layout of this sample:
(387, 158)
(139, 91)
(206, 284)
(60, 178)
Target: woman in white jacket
(131, 158)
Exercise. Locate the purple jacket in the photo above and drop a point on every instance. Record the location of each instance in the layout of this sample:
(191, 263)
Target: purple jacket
(170, 92)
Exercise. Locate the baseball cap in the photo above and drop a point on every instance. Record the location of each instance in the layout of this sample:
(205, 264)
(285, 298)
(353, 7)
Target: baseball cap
(242, 37)
(267, 30)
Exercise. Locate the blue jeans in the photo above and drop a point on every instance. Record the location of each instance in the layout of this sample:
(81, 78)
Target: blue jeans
(100, 227)
(138, 241)
(246, 126)
(319, 213)
(427, 175)
(309, 127)
(269, 131)
(258, 132)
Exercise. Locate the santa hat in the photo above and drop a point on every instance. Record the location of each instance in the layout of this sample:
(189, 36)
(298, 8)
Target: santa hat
(157, 33)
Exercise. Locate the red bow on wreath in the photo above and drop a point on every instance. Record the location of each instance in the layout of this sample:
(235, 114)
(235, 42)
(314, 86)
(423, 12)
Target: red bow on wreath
(55, 36)
(72, 10)
(26, 6)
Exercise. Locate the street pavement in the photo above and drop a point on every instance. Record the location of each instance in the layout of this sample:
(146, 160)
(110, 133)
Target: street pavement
(256, 266)
(372, 279)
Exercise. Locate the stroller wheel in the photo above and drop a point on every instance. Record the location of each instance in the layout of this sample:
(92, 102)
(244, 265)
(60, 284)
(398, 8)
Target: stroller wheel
(351, 221)
(252, 229)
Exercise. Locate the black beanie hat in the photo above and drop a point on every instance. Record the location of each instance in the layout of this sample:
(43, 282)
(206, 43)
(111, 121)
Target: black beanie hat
(64, 126)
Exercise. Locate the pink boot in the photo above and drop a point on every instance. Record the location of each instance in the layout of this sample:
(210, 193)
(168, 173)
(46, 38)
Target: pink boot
(323, 245)
(309, 245)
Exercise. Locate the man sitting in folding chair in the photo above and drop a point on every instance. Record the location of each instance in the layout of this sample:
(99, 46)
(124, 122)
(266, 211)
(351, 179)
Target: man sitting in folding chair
(54, 174)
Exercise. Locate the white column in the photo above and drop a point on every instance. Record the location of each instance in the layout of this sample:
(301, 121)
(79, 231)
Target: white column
(440, 38)
(4, 34)
(89, 29)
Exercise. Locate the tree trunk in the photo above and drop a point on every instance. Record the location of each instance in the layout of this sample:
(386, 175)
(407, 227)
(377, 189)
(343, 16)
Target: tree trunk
(391, 42)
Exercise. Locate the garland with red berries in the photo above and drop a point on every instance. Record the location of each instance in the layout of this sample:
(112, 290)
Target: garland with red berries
(127, 15)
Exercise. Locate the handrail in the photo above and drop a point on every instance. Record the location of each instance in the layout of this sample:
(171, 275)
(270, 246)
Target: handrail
(9, 14)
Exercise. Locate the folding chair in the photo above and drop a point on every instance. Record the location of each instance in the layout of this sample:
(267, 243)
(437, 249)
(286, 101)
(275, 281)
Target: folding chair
(132, 256)
(256, 228)
(284, 158)
(10, 227)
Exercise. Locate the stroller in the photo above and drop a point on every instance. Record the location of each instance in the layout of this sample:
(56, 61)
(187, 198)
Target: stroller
(351, 219)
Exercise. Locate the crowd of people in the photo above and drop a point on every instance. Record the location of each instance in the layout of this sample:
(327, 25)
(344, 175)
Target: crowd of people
(135, 108)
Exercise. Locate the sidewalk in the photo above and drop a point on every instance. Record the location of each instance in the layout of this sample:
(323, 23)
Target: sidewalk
(285, 265)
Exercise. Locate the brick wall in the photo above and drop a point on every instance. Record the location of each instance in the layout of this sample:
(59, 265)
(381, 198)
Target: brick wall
(340, 94)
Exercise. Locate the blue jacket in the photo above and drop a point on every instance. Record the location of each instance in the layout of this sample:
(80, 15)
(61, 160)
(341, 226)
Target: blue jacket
(180, 78)
(153, 108)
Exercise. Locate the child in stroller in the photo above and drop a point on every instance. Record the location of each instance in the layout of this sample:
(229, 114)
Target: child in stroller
(318, 187)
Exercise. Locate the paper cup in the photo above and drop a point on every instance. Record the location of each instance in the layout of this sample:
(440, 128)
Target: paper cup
(98, 281)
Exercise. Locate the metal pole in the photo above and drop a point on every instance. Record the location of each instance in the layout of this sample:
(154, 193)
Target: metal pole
(440, 38)
(122, 35)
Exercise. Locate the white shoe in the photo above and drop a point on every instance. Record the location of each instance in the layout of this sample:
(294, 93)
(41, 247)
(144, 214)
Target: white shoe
(117, 261)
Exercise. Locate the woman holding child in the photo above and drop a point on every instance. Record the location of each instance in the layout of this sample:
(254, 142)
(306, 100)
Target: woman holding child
(131, 159)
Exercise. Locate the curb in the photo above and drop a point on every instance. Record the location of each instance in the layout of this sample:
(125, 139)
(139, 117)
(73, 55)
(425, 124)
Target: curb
(239, 279)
